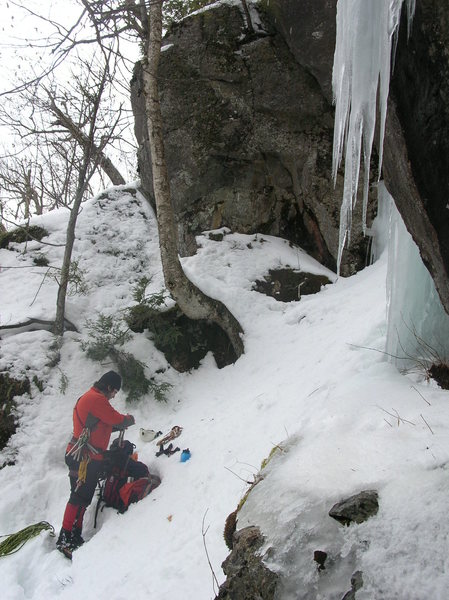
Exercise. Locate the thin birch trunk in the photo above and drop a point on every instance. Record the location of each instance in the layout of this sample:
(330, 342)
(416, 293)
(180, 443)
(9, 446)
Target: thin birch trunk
(192, 301)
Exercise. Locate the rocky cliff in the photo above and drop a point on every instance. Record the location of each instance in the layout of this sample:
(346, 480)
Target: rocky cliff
(249, 127)
(417, 136)
(248, 122)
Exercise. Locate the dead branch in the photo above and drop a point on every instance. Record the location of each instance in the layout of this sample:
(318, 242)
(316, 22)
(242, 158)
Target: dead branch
(396, 416)
(238, 476)
(377, 350)
(416, 390)
(214, 577)
(430, 429)
(34, 325)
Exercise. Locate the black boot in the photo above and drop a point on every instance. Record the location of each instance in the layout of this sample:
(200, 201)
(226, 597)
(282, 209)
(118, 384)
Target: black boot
(77, 539)
(65, 543)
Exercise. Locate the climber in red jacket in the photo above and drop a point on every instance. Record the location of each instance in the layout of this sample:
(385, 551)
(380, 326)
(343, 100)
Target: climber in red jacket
(94, 419)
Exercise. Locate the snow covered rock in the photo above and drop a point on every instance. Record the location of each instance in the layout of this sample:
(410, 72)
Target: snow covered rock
(247, 576)
(357, 508)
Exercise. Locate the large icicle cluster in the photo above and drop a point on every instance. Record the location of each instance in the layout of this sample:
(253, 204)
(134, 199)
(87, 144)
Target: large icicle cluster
(366, 30)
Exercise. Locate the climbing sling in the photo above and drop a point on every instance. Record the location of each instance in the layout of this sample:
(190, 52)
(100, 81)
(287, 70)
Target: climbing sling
(82, 450)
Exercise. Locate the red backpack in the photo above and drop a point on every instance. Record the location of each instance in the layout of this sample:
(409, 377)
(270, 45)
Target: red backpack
(116, 461)
(116, 490)
(136, 490)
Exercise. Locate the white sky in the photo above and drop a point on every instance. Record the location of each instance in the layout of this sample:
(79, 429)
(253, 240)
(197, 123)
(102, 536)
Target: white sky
(24, 36)
(24, 55)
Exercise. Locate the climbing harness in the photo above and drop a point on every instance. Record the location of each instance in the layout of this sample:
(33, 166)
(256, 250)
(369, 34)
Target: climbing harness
(82, 450)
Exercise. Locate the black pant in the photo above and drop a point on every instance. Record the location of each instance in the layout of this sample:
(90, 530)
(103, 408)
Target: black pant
(85, 492)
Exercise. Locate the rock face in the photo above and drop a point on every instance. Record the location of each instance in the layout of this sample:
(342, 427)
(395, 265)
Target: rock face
(357, 508)
(308, 28)
(416, 146)
(247, 576)
(356, 584)
(417, 137)
(249, 129)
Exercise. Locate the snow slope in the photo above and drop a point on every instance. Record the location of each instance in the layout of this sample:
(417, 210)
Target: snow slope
(310, 381)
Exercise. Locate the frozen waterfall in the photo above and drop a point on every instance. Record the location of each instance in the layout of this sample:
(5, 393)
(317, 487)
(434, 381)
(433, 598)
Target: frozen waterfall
(417, 325)
(366, 32)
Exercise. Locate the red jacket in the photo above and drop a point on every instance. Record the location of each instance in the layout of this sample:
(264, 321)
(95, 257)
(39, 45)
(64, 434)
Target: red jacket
(95, 403)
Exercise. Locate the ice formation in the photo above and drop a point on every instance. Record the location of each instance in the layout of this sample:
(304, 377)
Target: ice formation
(417, 325)
(366, 32)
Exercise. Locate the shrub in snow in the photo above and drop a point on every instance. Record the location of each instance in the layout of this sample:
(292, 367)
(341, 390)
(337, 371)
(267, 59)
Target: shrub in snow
(107, 335)
(9, 389)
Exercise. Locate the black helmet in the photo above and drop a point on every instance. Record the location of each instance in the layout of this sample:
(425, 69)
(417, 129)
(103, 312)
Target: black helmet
(112, 379)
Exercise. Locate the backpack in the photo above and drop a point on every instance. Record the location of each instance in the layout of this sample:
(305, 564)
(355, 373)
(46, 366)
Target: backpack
(116, 474)
(138, 489)
(115, 490)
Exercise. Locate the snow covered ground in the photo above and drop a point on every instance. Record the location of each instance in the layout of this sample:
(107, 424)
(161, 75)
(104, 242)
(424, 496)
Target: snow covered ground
(310, 381)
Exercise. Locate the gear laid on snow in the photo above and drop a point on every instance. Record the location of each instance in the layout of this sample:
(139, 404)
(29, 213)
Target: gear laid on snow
(185, 455)
(167, 451)
(171, 435)
(148, 435)
(15, 541)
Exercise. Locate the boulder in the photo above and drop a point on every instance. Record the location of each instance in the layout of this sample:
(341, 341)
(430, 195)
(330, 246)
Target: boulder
(249, 126)
(357, 508)
(249, 132)
(356, 584)
(247, 576)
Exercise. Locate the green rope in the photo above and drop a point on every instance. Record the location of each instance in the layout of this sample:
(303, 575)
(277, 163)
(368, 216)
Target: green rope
(15, 541)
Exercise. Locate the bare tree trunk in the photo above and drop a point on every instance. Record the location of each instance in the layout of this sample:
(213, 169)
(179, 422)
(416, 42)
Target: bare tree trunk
(189, 298)
(88, 167)
(67, 260)
(249, 23)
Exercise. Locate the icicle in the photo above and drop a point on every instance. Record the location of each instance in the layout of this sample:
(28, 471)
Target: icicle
(361, 76)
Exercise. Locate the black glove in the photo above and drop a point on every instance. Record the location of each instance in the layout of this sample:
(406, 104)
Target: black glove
(128, 421)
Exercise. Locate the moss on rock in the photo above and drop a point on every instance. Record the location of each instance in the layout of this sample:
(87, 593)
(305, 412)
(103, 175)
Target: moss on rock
(22, 234)
(184, 342)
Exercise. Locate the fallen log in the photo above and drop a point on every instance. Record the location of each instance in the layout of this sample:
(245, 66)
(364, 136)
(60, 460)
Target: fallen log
(34, 325)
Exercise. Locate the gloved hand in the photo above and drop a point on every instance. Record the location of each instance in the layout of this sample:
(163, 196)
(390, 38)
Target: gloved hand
(128, 421)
